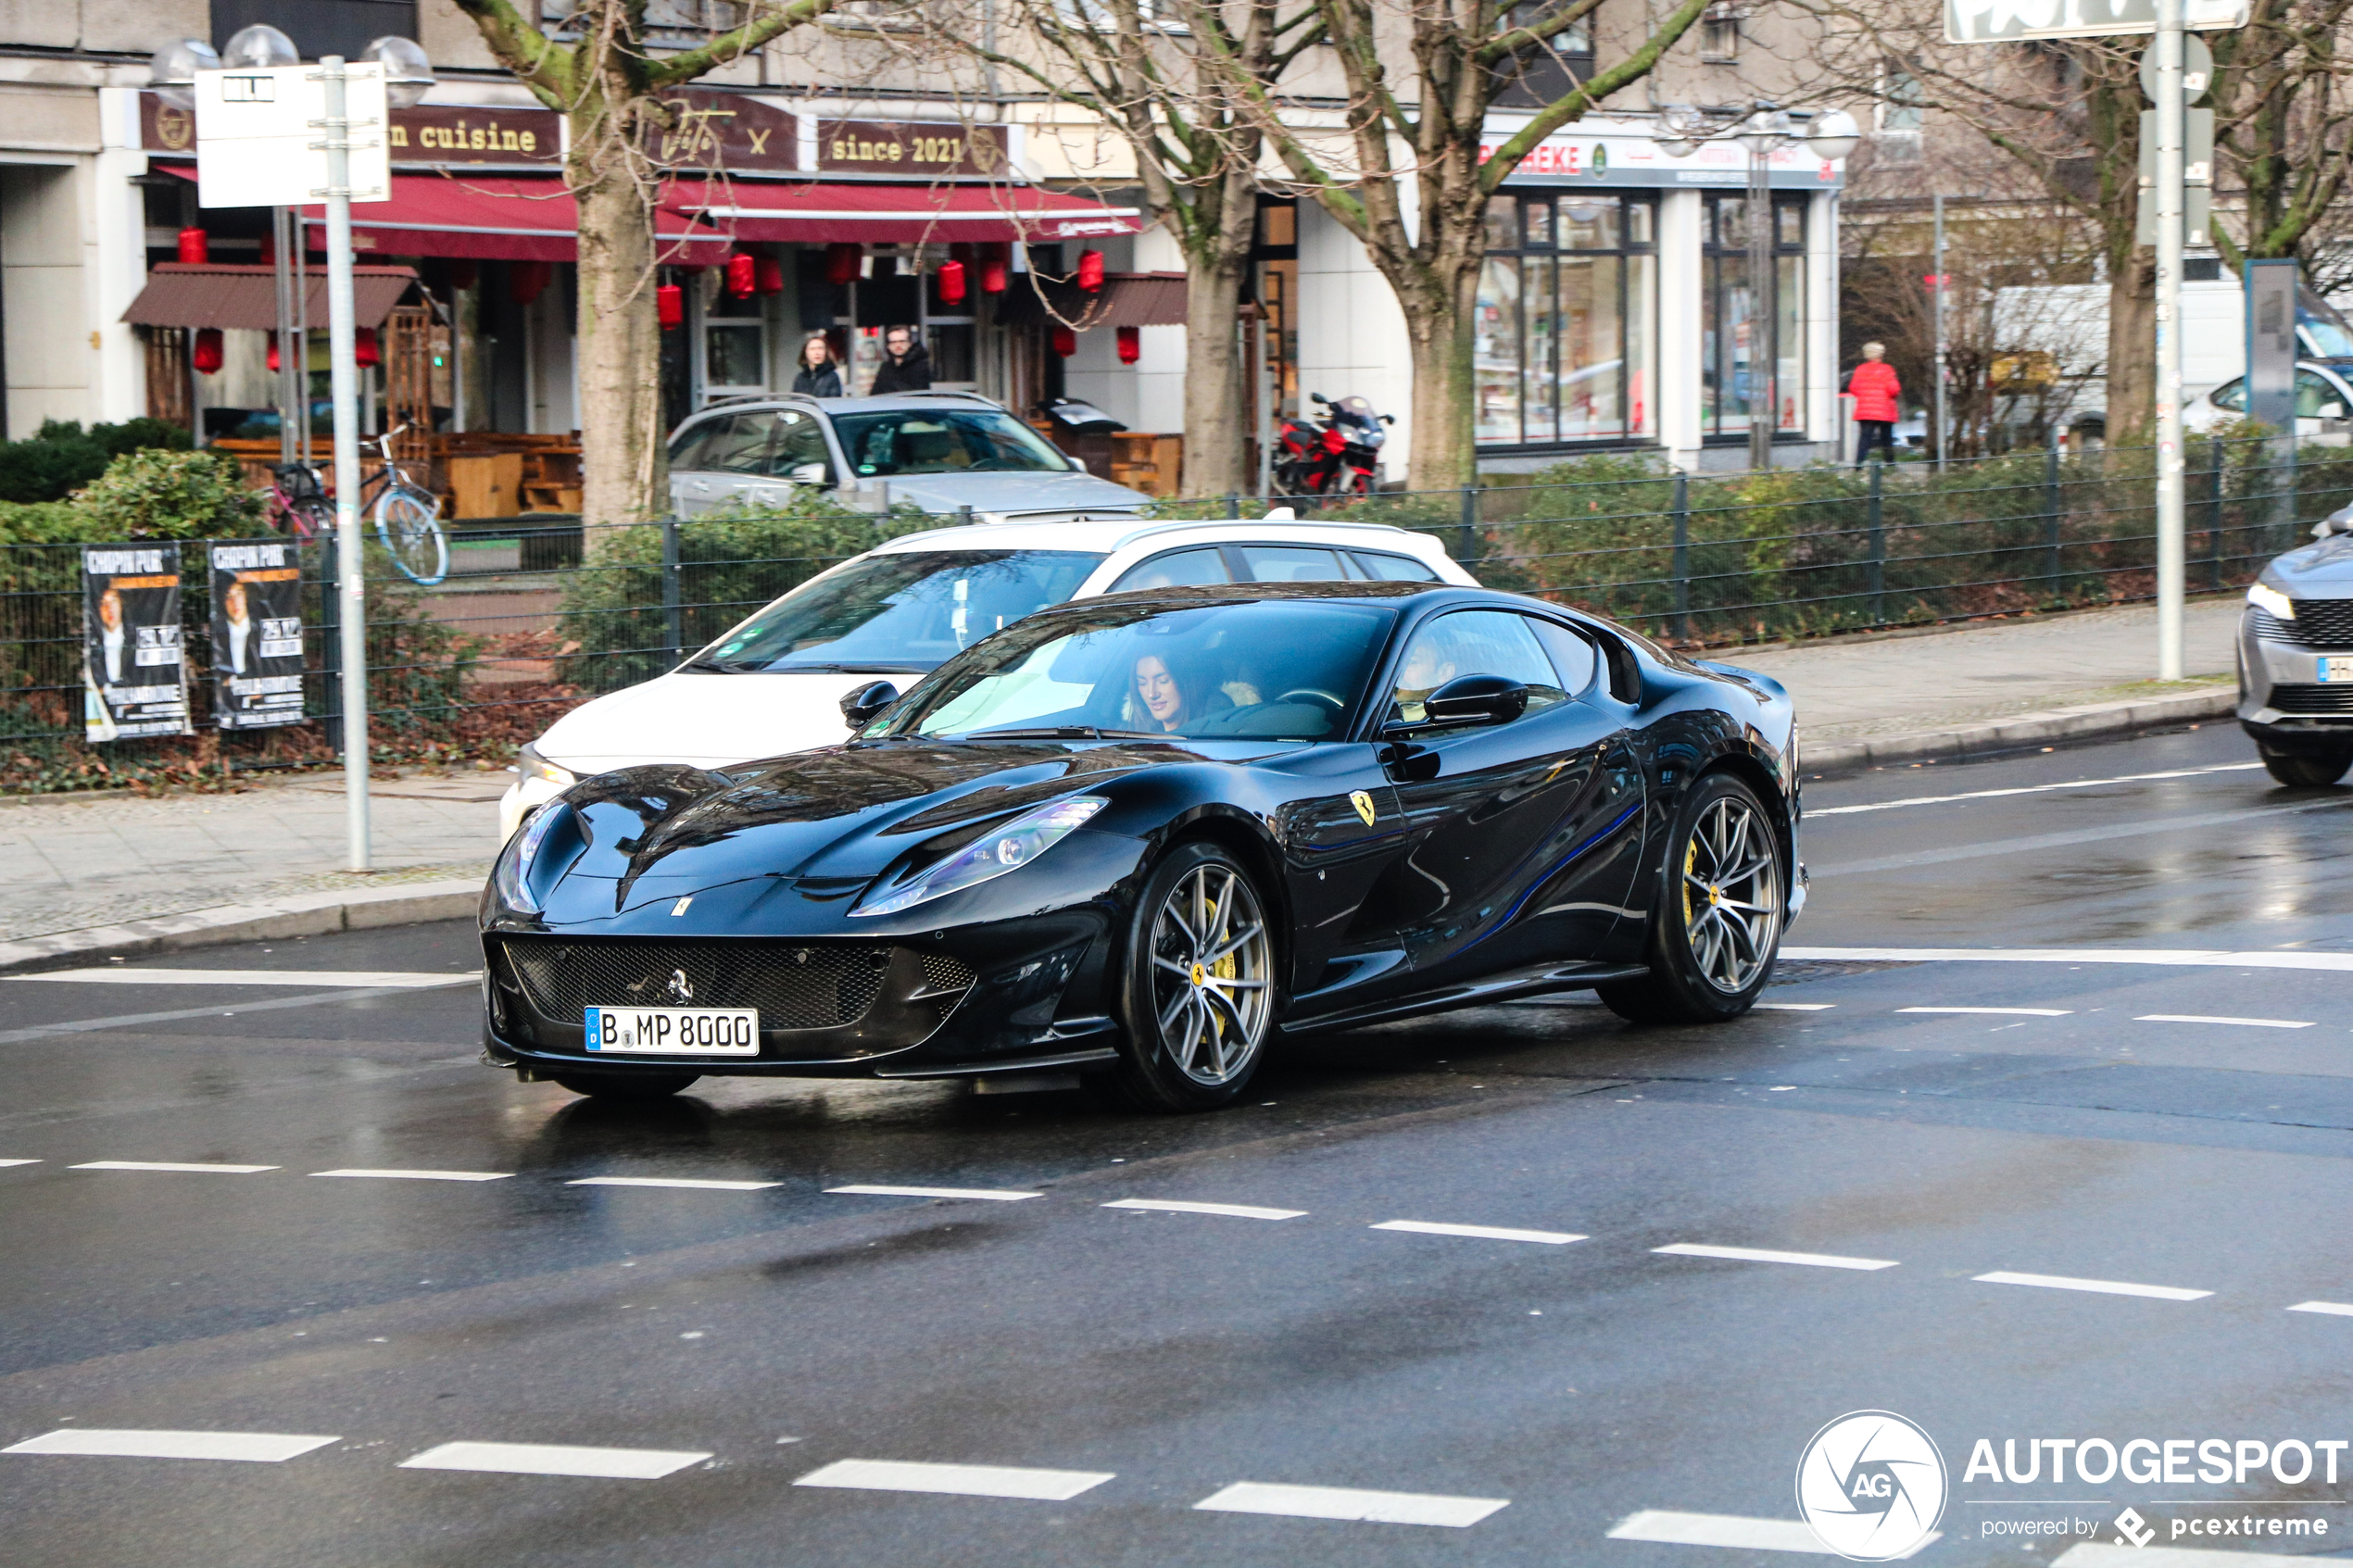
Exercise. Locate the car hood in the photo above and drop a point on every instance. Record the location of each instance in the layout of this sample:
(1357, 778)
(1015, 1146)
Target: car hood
(1068, 491)
(710, 721)
(2320, 571)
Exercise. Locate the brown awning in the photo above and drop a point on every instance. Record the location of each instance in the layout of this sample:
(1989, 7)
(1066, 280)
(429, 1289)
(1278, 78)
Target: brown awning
(208, 293)
(1127, 299)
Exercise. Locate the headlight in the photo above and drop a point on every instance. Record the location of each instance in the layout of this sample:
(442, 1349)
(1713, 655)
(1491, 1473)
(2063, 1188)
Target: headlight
(1000, 850)
(513, 875)
(531, 765)
(2264, 596)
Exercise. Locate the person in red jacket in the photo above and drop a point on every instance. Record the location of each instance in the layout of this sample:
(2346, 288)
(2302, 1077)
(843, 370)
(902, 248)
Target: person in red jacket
(1877, 402)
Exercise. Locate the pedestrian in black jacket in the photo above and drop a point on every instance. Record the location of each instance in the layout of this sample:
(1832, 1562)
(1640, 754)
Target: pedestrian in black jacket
(906, 368)
(819, 376)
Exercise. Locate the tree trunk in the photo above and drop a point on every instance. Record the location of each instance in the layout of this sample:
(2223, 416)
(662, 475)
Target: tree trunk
(1217, 397)
(1438, 317)
(619, 338)
(2131, 351)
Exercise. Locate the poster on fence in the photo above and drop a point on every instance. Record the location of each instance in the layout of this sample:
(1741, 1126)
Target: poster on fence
(133, 683)
(257, 634)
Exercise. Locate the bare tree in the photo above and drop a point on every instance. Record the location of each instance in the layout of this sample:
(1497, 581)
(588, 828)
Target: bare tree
(609, 84)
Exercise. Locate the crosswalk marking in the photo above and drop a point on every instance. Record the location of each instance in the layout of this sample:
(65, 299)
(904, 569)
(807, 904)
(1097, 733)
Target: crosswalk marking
(332, 978)
(670, 1181)
(1347, 1502)
(956, 1480)
(1231, 1211)
(253, 1447)
(2334, 1309)
(6, 1162)
(2099, 1554)
(1998, 1012)
(2243, 1023)
(987, 1194)
(171, 1165)
(2098, 1286)
(555, 1459)
(1764, 1255)
(1486, 1233)
(1740, 1531)
(423, 1175)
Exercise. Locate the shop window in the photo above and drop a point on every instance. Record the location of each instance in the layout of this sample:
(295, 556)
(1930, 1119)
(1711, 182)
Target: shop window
(1563, 339)
(735, 346)
(1744, 346)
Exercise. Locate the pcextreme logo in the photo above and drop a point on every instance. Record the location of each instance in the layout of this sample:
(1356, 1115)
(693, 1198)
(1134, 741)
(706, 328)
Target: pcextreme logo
(1872, 1486)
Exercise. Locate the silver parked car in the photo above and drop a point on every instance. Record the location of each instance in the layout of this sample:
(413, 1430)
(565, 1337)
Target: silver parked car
(2295, 659)
(943, 451)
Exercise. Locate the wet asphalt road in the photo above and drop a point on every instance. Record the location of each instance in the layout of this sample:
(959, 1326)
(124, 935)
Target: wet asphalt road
(744, 1338)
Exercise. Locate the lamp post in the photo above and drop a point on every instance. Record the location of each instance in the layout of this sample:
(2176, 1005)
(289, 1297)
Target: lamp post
(1762, 131)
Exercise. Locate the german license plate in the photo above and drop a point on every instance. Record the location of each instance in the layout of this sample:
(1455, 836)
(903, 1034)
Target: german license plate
(2339, 668)
(675, 1031)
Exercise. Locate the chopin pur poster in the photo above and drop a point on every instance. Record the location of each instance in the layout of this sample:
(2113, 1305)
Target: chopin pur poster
(133, 683)
(256, 634)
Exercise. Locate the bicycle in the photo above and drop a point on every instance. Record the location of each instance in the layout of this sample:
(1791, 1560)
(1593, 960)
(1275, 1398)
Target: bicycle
(407, 516)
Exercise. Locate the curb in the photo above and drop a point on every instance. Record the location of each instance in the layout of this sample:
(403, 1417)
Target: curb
(1962, 742)
(303, 915)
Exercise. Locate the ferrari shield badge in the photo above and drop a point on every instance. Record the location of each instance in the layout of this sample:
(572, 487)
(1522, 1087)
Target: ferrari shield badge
(1364, 804)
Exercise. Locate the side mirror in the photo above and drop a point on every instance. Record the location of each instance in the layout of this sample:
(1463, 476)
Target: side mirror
(860, 708)
(1389, 419)
(2337, 522)
(1318, 398)
(807, 473)
(1466, 700)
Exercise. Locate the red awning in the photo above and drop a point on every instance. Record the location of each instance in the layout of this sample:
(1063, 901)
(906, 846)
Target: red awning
(495, 217)
(217, 294)
(896, 214)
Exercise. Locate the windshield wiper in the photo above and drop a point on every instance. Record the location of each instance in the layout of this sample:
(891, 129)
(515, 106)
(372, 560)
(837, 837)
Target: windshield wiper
(712, 666)
(850, 668)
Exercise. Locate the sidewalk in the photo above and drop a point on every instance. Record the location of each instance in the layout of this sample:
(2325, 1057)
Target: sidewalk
(181, 870)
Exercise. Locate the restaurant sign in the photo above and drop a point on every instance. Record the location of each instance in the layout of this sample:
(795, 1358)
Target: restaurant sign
(910, 151)
(430, 135)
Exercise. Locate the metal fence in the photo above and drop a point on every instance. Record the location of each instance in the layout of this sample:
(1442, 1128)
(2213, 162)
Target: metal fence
(537, 616)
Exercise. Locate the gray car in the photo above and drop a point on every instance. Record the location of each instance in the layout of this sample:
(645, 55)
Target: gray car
(2296, 660)
(942, 451)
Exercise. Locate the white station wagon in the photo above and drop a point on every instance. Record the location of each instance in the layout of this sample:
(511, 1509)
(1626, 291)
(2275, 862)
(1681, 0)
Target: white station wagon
(775, 684)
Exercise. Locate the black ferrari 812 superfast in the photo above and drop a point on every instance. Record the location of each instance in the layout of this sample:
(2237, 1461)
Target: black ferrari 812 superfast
(1140, 838)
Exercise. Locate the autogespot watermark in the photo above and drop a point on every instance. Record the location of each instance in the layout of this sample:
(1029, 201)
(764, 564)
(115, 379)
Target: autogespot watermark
(1872, 1486)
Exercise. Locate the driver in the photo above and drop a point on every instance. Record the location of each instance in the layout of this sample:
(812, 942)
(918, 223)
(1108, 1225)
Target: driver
(1159, 692)
(1428, 665)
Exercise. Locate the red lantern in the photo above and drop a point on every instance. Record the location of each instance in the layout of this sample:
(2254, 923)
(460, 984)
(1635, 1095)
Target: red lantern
(269, 250)
(768, 277)
(842, 262)
(1091, 270)
(743, 269)
(1065, 341)
(366, 352)
(995, 258)
(274, 351)
(464, 274)
(526, 280)
(195, 247)
(952, 283)
(1131, 345)
(670, 306)
(206, 356)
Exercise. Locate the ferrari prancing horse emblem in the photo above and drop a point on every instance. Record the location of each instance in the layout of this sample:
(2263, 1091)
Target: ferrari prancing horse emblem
(1364, 804)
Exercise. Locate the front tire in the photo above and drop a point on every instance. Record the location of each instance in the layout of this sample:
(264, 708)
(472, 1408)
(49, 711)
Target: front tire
(625, 1088)
(409, 525)
(1198, 996)
(1718, 926)
(2305, 770)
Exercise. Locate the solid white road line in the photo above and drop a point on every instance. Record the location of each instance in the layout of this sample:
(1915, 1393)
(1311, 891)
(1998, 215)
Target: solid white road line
(987, 1194)
(4, 1162)
(383, 979)
(956, 1480)
(1724, 1529)
(1347, 1502)
(1484, 1233)
(2185, 958)
(423, 1175)
(2022, 789)
(670, 1181)
(169, 1165)
(555, 1459)
(1233, 1210)
(1794, 1007)
(2249, 1023)
(2099, 1554)
(257, 1447)
(2006, 1012)
(1761, 1254)
(2099, 1286)
(2335, 1308)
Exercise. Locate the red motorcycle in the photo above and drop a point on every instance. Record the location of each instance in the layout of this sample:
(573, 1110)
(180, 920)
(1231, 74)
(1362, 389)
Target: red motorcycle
(1334, 455)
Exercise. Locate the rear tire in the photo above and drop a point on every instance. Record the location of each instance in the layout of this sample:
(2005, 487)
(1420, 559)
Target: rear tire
(625, 1088)
(1198, 996)
(2305, 770)
(1721, 907)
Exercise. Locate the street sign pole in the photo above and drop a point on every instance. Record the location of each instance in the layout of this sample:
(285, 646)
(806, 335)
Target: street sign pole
(2170, 199)
(1941, 283)
(344, 376)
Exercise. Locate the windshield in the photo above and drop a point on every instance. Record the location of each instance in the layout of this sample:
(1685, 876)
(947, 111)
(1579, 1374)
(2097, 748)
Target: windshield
(944, 441)
(1281, 670)
(2324, 328)
(898, 612)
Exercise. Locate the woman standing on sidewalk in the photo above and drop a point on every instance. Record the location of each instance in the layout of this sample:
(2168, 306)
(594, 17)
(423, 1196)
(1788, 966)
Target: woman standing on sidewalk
(1877, 402)
(820, 375)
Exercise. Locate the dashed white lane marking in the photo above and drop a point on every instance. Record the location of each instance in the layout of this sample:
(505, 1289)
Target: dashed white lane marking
(256, 1447)
(987, 1194)
(2189, 958)
(2098, 1554)
(1762, 1255)
(1347, 1502)
(2248, 1023)
(670, 1181)
(1485, 1233)
(956, 1480)
(401, 979)
(2334, 1309)
(2099, 1286)
(1796, 1007)
(423, 1175)
(555, 1459)
(2023, 789)
(4, 1162)
(171, 1165)
(2000, 1012)
(1231, 1211)
(1724, 1529)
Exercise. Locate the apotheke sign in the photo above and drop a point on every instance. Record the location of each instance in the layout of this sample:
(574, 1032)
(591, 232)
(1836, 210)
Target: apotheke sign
(1994, 22)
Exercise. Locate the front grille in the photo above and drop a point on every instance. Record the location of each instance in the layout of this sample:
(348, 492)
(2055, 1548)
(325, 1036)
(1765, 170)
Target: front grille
(2319, 623)
(794, 987)
(2334, 698)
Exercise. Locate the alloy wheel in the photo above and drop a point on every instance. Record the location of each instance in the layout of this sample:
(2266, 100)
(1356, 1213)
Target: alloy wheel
(1212, 961)
(1731, 894)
